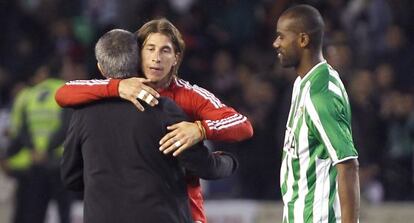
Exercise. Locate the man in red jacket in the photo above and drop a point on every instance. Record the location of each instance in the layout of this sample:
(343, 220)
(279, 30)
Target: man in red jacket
(162, 50)
(116, 163)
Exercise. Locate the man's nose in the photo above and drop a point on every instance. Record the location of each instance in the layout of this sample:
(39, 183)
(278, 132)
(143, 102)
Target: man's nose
(156, 57)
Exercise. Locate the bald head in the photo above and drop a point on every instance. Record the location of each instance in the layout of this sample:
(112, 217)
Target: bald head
(306, 19)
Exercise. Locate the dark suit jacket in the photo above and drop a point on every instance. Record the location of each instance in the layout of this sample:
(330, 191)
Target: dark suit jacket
(111, 152)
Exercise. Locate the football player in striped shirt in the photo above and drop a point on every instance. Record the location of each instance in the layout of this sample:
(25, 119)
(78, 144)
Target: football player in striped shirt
(319, 172)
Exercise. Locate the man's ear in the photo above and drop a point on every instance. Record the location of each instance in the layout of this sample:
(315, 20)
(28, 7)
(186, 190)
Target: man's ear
(100, 69)
(304, 40)
(177, 56)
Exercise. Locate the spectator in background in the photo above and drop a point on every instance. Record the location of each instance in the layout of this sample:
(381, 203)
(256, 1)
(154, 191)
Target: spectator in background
(368, 133)
(367, 22)
(399, 53)
(259, 98)
(223, 77)
(18, 165)
(103, 13)
(339, 55)
(385, 79)
(5, 89)
(398, 164)
(38, 127)
(231, 24)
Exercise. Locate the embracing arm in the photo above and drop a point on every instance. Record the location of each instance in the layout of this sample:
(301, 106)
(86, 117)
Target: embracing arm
(232, 127)
(214, 120)
(226, 124)
(79, 92)
(221, 122)
(348, 188)
(198, 161)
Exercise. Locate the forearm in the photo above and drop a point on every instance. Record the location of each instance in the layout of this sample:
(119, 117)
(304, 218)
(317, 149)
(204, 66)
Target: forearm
(221, 165)
(232, 129)
(221, 122)
(349, 192)
(200, 162)
(80, 92)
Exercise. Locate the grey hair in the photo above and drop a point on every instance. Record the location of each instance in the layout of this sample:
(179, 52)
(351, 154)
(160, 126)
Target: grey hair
(117, 53)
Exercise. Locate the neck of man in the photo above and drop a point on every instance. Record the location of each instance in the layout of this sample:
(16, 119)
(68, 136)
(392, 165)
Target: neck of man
(308, 61)
(162, 84)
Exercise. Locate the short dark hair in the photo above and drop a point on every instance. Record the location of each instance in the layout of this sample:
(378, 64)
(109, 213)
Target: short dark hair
(309, 21)
(117, 53)
(166, 28)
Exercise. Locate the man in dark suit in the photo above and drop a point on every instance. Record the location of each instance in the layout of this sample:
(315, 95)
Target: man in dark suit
(111, 151)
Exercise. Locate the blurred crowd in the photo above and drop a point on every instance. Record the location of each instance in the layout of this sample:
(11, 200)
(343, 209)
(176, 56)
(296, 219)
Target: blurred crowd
(229, 52)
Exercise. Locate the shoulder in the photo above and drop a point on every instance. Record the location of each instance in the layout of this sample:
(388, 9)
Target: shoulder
(319, 81)
(190, 88)
(22, 95)
(110, 105)
(55, 81)
(193, 91)
(114, 110)
(50, 83)
(185, 86)
(92, 82)
(326, 84)
(165, 103)
(325, 104)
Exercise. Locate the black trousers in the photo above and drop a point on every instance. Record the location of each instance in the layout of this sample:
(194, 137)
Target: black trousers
(36, 188)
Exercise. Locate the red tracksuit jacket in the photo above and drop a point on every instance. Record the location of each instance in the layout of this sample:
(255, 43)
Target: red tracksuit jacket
(222, 123)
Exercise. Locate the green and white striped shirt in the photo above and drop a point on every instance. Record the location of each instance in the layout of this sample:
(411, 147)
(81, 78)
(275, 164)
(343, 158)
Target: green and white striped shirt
(318, 136)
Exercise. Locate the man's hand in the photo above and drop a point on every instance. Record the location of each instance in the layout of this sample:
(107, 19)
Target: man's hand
(135, 88)
(182, 136)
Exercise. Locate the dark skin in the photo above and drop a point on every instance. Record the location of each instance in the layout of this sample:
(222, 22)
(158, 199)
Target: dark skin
(348, 187)
(293, 43)
(295, 50)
